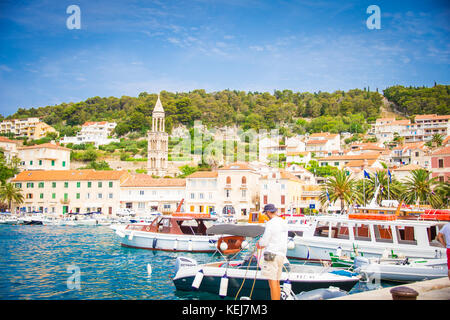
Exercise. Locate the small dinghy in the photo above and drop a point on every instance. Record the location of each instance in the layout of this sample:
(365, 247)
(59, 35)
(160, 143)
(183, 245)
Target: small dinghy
(407, 270)
(321, 294)
(243, 278)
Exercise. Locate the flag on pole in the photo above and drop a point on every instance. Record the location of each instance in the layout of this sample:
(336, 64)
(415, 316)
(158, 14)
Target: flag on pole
(366, 174)
(328, 196)
(390, 177)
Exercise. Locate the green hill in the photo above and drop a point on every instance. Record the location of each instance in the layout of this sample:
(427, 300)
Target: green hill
(420, 100)
(338, 111)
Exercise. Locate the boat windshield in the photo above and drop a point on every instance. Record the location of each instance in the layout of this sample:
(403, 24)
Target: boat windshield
(191, 226)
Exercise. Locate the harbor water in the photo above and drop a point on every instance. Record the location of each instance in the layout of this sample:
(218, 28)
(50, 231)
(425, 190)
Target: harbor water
(88, 263)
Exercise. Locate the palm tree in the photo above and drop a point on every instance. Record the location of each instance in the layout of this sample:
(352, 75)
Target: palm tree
(389, 190)
(436, 140)
(10, 193)
(422, 189)
(443, 190)
(338, 186)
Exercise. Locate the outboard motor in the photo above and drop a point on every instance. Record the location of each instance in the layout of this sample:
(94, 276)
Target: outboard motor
(359, 261)
(183, 262)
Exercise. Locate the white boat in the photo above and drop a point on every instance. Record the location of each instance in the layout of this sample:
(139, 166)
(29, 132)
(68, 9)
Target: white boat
(243, 278)
(177, 232)
(408, 270)
(298, 224)
(410, 238)
(8, 219)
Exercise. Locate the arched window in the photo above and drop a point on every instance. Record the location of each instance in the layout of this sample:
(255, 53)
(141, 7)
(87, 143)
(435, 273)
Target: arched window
(228, 180)
(244, 180)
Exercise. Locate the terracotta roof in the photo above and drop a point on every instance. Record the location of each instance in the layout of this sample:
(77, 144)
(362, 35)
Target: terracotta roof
(360, 163)
(408, 167)
(145, 180)
(367, 146)
(203, 174)
(90, 123)
(236, 166)
(287, 175)
(410, 146)
(431, 117)
(70, 175)
(44, 146)
(446, 140)
(400, 122)
(284, 175)
(324, 135)
(362, 156)
(4, 139)
(444, 150)
(316, 141)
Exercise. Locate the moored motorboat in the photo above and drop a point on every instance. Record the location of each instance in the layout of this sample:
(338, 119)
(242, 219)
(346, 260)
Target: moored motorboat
(370, 236)
(177, 232)
(243, 278)
(407, 270)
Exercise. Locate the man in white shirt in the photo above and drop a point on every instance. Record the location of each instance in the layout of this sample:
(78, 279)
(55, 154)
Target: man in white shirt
(444, 238)
(274, 242)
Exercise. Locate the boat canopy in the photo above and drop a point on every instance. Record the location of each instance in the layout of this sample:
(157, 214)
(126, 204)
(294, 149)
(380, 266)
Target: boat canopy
(252, 231)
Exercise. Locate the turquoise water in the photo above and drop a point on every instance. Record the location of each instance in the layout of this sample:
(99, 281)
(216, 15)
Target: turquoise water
(36, 262)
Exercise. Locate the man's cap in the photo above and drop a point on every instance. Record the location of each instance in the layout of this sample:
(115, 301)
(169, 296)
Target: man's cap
(269, 207)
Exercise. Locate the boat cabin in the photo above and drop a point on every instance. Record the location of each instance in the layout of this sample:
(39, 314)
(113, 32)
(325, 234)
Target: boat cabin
(407, 232)
(176, 224)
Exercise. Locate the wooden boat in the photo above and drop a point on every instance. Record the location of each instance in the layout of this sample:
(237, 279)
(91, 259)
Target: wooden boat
(243, 278)
(176, 232)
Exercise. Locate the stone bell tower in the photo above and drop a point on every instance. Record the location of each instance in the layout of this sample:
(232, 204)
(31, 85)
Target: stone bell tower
(158, 143)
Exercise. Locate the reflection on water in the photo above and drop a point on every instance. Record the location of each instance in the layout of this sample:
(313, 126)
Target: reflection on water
(34, 262)
(35, 259)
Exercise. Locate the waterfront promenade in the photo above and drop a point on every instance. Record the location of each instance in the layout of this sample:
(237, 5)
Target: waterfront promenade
(437, 289)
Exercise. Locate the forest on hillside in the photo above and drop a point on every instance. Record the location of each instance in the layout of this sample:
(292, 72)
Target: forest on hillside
(336, 112)
(296, 112)
(420, 100)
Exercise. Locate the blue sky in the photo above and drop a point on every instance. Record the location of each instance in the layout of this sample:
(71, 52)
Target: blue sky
(127, 47)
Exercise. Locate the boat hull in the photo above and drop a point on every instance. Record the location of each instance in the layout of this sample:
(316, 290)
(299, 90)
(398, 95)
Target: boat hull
(252, 284)
(404, 273)
(167, 242)
(308, 249)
